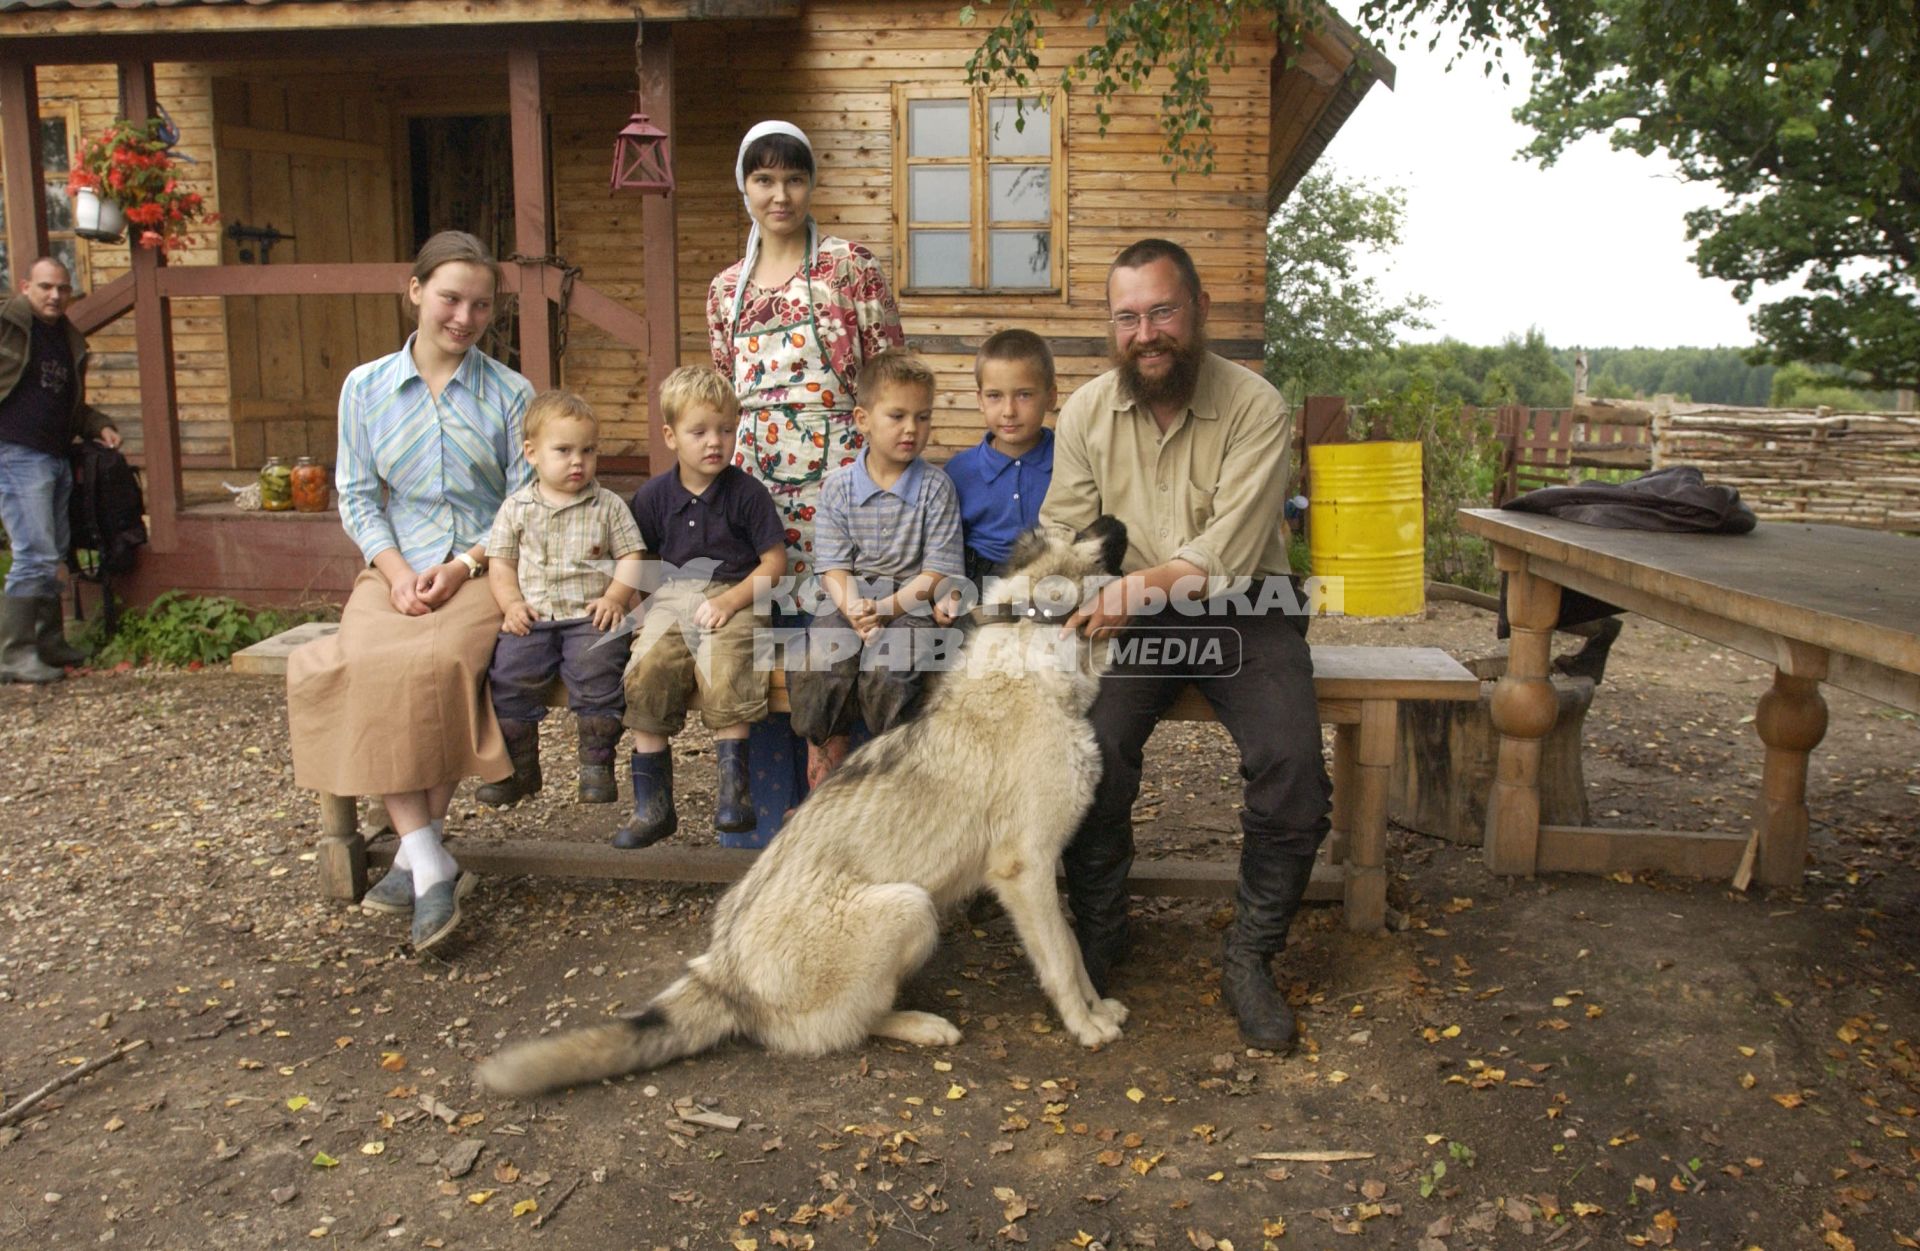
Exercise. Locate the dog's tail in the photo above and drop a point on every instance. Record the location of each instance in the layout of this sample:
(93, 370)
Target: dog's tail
(684, 1019)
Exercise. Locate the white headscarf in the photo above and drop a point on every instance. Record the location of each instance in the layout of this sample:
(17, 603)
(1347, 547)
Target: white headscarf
(761, 130)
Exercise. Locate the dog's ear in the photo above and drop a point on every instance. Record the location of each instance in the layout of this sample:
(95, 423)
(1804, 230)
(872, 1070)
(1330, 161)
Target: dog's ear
(1111, 533)
(1028, 548)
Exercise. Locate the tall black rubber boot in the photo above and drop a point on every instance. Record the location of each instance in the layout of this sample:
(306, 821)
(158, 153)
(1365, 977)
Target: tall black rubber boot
(653, 815)
(1273, 881)
(50, 634)
(733, 800)
(523, 748)
(19, 657)
(598, 737)
(1097, 892)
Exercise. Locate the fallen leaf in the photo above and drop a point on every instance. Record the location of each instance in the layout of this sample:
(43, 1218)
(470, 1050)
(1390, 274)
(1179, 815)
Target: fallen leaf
(1791, 1099)
(525, 1206)
(297, 1102)
(372, 1148)
(479, 1197)
(322, 1160)
(1136, 1094)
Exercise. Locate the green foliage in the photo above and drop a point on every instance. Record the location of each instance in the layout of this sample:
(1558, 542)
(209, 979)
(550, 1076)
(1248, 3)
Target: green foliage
(1326, 320)
(181, 629)
(1522, 370)
(1806, 386)
(1703, 375)
(1459, 464)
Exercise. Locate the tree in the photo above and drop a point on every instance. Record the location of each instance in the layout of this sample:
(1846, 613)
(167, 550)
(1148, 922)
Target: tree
(1806, 116)
(1325, 318)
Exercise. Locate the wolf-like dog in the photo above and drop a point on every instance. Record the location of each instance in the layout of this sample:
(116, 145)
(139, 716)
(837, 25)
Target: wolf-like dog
(981, 790)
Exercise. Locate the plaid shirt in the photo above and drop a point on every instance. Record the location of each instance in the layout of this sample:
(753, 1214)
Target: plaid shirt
(564, 554)
(888, 536)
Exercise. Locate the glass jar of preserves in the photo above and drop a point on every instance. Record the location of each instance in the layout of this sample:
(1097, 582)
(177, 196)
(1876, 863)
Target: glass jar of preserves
(276, 486)
(309, 486)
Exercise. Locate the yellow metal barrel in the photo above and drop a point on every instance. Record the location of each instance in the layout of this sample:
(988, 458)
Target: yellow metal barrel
(1367, 524)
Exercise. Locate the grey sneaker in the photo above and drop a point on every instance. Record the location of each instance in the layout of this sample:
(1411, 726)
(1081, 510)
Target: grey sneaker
(436, 914)
(392, 895)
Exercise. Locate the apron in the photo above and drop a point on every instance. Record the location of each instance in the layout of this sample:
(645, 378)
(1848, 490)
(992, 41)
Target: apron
(796, 411)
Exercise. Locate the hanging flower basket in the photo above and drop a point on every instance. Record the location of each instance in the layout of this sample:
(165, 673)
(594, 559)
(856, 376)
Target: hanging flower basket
(133, 172)
(95, 218)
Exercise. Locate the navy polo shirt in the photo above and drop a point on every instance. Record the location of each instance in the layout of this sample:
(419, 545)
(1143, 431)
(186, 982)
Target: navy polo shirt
(731, 523)
(1000, 496)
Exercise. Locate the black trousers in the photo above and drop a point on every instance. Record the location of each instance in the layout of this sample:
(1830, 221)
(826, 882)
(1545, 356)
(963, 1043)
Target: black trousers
(1257, 674)
(877, 682)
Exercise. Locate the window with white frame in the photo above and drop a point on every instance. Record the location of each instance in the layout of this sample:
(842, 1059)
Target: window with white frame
(979, 191)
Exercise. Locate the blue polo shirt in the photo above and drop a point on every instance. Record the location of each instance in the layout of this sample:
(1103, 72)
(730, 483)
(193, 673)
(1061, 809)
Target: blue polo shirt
(1000, 496)
(730, 523)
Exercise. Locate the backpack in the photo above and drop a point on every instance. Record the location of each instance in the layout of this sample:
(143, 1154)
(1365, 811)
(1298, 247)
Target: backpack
(106, 516)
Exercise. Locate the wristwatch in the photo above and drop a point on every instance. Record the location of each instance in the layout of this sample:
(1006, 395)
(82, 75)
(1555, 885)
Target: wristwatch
(474, 567)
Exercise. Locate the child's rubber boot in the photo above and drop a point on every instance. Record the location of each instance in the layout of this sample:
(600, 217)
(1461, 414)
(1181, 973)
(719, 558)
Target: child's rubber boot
(733, 804)
(598, 736)
(653, 816)
(523, 748)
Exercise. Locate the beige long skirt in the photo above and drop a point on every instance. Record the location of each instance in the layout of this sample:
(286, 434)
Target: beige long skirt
(393, 703)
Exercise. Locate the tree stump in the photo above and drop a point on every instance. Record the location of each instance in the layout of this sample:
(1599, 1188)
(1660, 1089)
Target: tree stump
(1447, 753)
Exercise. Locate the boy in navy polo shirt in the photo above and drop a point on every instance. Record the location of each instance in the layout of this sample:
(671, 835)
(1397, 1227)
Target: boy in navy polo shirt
(886, 536)
(1003, 480)
(716, 536)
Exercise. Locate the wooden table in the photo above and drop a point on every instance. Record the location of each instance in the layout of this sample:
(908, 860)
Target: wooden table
(1821, 603)
(1358, 691)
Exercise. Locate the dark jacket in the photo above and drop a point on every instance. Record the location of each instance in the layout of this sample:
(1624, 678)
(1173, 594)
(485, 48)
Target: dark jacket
(16, 340)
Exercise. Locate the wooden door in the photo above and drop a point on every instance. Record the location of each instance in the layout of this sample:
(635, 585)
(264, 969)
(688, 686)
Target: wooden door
(311, 159)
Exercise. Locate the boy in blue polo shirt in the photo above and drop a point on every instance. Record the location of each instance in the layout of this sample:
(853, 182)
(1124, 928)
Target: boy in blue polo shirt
(1003, 480)
(718, 539)
(886, 536)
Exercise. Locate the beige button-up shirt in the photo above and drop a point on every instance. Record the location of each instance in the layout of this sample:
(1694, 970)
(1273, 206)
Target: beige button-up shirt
(563, 554)
(1211, 490)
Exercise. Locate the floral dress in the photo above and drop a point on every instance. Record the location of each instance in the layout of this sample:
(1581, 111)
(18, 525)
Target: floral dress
(792, 354)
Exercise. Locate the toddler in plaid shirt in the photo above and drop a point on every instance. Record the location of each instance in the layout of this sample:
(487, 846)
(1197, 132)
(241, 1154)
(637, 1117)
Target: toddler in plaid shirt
(563, 563)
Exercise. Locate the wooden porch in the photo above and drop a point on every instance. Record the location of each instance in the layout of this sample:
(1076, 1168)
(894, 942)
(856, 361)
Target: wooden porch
(282, 557)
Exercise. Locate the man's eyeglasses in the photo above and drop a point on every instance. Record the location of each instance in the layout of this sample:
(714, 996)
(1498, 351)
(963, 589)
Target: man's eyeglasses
(1160, 315)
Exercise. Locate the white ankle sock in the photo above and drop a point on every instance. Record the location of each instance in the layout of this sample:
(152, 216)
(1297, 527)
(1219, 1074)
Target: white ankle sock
(426, 859)
(400, 858)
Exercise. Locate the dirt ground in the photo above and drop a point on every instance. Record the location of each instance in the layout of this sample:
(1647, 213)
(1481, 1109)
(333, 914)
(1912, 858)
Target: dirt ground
(1566, 1062)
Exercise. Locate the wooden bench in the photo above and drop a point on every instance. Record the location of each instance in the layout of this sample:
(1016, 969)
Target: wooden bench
(1359, 690)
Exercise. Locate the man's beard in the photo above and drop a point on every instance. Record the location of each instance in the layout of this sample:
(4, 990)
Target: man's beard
(1177, 385)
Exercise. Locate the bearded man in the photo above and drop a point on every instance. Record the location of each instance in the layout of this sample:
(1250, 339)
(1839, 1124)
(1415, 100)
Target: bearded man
(1191, 451)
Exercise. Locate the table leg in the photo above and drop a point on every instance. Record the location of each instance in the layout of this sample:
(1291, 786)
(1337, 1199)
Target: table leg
(1792, 719)
(1524, 710)
(1366, 892)
(1346, 738)
(343, 853)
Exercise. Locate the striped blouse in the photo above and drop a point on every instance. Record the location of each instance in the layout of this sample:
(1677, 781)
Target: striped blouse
(446, 464)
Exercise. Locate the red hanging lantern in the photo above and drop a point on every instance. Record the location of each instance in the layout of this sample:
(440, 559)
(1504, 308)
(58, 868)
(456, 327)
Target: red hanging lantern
(642, 157)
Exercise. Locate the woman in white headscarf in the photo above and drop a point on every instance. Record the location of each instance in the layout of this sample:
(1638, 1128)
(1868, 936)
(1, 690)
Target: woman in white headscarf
(791, 323)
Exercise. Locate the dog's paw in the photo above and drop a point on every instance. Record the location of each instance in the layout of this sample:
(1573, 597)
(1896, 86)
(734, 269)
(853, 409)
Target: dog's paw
(1109, 1010)
(1096, 1031)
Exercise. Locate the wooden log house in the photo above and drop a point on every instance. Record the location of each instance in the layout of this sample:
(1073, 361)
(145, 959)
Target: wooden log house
(355, 128)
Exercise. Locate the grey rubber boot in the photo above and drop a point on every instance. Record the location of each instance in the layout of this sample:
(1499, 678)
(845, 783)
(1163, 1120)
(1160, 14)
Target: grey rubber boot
(598, 737)
(19, 656)
(1273, 881)
(523, 747)
(50, 635)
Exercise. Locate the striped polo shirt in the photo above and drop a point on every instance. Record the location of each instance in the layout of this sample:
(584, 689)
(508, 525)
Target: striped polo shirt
(446, 464)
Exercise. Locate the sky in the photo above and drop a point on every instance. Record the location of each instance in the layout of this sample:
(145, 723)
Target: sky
(1593, 250)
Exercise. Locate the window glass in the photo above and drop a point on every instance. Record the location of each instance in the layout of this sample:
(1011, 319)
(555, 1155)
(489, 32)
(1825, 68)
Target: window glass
(1014, 131)
(1018, 193)
(940, 193)
(941, 258)
(1020, 258)
(59, 207)
(937, 128)
(53, 145)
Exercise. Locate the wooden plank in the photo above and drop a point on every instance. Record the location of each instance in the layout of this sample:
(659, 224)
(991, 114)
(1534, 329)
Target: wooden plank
(1585, 849)
(25, 188)
(250, 138)
(153, 337)
(1186, 878)
(102, 306)
(269, 656)
(350, 15)
(659, 242)
(290, 279)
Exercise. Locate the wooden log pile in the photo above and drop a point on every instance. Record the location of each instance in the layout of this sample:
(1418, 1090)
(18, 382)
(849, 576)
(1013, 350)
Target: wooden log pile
(1851, 469)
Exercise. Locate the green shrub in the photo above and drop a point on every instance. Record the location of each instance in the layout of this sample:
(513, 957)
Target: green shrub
(179, 629)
